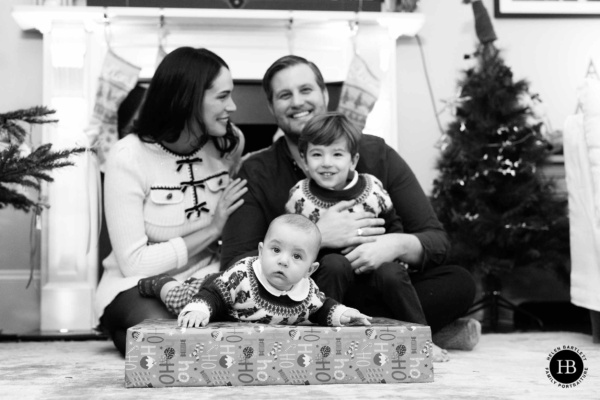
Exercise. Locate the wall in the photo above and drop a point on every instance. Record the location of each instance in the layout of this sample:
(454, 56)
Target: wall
(553, 54)
(20, 87)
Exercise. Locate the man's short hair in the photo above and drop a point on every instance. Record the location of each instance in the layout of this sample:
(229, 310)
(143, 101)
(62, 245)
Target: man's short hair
(324, 129)
(284, 63)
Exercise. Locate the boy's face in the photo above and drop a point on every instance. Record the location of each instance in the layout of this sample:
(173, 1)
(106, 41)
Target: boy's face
(287, 255)
(330, 165)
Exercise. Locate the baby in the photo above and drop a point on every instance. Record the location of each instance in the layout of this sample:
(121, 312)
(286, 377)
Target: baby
(329, 146)
(273, 288)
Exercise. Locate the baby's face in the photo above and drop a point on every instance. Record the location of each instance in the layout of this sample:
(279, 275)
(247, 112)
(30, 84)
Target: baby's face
(287, 255)
(330, 165)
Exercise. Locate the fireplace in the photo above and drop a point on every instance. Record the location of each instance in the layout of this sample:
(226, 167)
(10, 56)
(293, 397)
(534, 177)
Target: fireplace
(75, 42)
(252, 117)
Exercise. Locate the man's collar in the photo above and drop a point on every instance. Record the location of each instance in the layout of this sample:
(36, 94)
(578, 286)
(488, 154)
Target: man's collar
(297, 293)
(293, 151)
(282, 150)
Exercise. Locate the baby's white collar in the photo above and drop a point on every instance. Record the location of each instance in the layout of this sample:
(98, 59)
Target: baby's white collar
(298, 292)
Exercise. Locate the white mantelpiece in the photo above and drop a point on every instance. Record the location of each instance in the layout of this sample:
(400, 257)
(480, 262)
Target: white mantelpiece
(75, 42)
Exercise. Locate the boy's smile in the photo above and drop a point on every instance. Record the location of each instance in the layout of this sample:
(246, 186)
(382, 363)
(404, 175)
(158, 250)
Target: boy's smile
(330, 165)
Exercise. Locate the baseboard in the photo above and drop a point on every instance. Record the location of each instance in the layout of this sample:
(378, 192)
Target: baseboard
(19, 304)
(19, 275)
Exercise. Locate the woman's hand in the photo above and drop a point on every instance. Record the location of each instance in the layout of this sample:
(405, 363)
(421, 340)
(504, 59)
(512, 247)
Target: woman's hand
(229, 201)
(340, 228)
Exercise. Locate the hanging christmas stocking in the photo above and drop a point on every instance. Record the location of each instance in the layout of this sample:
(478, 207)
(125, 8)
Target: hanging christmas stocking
(117, 78)
(359, 92)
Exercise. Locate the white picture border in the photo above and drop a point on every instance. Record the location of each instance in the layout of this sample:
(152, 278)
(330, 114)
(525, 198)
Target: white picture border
(546, 8)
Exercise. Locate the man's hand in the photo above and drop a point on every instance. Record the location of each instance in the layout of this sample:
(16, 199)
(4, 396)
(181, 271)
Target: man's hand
(193, 319)
(354, 317)
(341, 229)
(385, 248)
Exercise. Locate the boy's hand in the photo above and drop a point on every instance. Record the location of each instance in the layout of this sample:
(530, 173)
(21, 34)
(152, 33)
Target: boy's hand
(193, 319)
(354, 317)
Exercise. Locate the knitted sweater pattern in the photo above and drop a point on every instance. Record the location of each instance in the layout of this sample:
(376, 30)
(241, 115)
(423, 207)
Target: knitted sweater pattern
(240, 290)
(153, 198)
(308, 199)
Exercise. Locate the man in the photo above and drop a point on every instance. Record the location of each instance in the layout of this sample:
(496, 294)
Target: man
(296, 92)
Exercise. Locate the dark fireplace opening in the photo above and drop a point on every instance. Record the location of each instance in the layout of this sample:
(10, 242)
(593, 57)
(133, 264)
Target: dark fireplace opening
(252, 116)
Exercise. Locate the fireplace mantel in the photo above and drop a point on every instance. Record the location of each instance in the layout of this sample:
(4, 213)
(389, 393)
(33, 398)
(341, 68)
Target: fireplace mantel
(41, 18)
(75, 42)
(254, 34)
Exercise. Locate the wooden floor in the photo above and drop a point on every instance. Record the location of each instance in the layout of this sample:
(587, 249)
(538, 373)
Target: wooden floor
(502, 366)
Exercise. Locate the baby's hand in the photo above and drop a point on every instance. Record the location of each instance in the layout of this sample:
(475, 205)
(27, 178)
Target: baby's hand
(354, 317)
(193, 319)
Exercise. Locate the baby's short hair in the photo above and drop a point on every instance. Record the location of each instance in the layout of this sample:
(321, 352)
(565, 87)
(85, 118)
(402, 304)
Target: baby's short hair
(302, 223)
(324, 129)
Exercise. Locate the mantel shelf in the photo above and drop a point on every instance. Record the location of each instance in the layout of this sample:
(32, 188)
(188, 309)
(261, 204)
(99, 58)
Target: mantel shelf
(41, 18)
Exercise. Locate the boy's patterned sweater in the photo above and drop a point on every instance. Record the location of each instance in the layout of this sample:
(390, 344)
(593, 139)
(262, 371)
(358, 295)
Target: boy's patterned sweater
(309, 199)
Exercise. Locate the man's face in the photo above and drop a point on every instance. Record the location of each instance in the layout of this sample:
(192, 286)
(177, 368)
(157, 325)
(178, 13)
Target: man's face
(296, 99)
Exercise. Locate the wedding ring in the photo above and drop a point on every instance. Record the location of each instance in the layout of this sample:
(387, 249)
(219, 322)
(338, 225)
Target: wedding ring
(359, 232)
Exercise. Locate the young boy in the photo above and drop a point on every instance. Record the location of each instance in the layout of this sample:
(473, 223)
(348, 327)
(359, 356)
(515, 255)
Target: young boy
(273, 288)
(329, 147)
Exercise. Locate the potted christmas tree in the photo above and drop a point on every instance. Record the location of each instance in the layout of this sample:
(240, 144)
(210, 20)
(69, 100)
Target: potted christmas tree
(498, 209)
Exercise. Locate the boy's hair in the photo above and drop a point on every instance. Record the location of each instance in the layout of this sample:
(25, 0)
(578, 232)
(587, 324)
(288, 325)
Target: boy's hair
(302, 223)
(326, 128)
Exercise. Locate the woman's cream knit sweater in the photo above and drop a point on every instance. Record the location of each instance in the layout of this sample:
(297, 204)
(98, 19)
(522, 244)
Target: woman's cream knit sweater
(153, 197)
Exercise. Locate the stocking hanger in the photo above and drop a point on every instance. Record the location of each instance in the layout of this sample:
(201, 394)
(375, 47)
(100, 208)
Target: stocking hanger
(162, 32)
(107, 33)
(354, 24)
(354, 27)
(290, 33)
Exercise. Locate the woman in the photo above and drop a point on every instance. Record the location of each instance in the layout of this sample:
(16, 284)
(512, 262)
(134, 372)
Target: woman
(168, 188)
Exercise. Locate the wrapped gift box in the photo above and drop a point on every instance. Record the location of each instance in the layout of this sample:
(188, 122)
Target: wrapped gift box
(161, 354)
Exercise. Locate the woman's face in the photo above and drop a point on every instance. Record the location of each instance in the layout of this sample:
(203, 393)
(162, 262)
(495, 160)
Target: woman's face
(218, 105)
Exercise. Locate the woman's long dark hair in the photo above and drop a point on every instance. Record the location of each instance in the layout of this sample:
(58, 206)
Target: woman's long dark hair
(174, 95)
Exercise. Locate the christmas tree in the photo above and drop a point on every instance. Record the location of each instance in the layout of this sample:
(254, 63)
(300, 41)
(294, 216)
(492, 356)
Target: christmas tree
(22, 167)
(499, 211)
